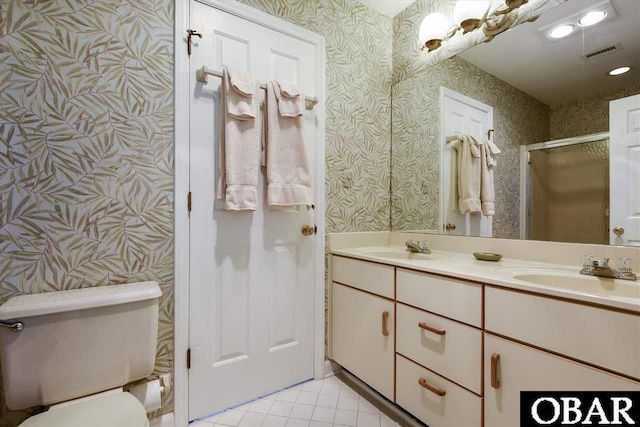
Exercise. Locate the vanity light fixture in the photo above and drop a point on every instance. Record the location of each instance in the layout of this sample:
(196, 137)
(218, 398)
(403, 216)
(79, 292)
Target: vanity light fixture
(469, 15)
(619, 70)
(561, 31)
(433, 30)
(592, 18)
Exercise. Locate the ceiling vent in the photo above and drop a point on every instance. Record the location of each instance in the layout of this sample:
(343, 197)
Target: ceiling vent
(600, 52)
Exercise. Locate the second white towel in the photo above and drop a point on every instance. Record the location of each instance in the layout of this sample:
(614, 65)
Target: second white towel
(239, 153)
(286, 157)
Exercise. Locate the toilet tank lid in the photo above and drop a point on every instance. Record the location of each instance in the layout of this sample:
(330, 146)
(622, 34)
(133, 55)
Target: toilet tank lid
(77, 299)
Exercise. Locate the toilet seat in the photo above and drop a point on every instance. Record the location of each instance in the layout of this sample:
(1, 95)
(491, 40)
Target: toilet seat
(112, 410)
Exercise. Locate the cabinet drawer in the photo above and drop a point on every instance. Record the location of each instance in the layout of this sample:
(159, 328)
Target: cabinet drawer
(457, 408)
(605, 338)
(522, 368)
(358, 336)
(448, 297)
(368, 276)
(456, 355)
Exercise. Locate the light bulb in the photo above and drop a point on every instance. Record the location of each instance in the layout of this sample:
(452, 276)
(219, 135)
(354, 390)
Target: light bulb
(618, 71)
(561, 31)
(433, 27)
(592, 18)
(468, 13)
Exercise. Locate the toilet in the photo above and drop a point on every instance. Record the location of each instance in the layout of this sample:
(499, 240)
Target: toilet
(75, 351)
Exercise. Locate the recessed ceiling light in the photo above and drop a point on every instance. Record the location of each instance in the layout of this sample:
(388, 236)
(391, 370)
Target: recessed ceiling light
(592, 18)
(618, 71)
(561, 31)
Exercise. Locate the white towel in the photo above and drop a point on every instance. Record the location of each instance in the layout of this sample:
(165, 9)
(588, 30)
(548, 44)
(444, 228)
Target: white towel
(239, 155)
(286, 158)
(290, 99)
(241, 94)
(487, 161)
(468, 163)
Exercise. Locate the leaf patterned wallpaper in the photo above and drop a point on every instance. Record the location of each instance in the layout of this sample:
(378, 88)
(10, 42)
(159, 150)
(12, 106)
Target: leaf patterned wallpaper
(586, 116)
(358, 106)
(86, 151)
(518, 119)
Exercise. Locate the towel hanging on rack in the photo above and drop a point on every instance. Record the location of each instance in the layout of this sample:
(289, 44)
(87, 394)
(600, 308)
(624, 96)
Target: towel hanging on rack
(203, 73)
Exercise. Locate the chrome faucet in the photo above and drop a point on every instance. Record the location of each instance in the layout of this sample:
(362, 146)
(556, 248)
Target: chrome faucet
(421, 247)
(601, 268)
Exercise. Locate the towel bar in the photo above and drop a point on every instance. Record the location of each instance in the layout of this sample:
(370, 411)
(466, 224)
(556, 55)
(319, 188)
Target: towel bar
(203, 73)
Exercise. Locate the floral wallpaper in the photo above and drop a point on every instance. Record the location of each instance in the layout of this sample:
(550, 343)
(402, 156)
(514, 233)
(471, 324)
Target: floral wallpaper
(587, 115)
(86, 151)
(518, 119)
(408, 58)
(358, 106)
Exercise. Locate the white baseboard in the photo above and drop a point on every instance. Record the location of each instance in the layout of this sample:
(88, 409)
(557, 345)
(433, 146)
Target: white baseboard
(331, 368)
(167, 420)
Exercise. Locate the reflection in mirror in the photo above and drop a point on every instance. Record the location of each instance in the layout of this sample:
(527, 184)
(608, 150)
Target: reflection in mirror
(540, 90)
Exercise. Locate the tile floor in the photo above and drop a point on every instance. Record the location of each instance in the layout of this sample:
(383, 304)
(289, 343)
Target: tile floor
(317, 403)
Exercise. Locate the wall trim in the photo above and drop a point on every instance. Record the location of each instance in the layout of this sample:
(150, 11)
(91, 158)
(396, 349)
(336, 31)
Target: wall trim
(181, 268)
(181, 217)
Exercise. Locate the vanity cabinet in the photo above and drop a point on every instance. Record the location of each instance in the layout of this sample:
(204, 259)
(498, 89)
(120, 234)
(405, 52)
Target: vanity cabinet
(511, 367)
(599, 336)
(463, 351)
(363, 336)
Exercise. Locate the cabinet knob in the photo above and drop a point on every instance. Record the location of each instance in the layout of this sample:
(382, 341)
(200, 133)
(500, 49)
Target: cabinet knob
(495, 359)
(450, 227)
(618, 231)
(423, 325)
(385, 318)
(433, 389)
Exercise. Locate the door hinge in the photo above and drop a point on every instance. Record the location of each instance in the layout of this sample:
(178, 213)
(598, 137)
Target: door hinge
(191, 33)
(188, 358)
(189, 202)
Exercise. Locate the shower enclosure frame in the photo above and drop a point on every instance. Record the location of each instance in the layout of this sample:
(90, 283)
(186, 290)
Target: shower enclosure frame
(525, 170)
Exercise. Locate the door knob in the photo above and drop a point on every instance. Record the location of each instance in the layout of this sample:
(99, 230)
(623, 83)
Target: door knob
(450, 227)
(618, 231)
(308, 230)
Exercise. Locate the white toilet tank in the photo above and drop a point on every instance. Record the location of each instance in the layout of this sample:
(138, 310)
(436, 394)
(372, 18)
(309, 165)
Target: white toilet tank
(78, 342)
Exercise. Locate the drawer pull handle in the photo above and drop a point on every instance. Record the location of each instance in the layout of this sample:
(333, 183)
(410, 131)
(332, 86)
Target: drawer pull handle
(435, 390)
(495, 382)
(424, 326)
(385, 317)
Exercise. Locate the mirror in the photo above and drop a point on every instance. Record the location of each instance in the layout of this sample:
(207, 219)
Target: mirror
(540, 90)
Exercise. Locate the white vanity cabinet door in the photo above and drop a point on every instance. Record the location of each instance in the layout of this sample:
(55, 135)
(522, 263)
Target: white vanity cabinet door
(445, 405)
(359, 343)
(522, 368)
(605, 338)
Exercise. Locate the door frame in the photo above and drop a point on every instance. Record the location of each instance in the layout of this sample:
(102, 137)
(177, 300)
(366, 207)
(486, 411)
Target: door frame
(486, 225)
(181, 188)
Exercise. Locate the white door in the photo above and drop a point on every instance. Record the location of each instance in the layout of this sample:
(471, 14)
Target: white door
(251, 326)
(624, 170)
(460, 115)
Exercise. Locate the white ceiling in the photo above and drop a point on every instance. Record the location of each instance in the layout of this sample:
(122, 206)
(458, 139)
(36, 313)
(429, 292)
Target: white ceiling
(388, 7)
(554, 71)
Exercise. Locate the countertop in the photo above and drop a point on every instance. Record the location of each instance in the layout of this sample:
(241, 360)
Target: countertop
(614, 293)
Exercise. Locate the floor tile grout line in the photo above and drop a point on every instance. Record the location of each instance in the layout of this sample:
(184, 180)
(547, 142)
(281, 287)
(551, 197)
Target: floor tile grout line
(203, 418)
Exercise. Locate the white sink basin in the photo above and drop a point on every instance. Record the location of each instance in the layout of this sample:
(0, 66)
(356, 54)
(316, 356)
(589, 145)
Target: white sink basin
(573, 281)
(399, 253)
